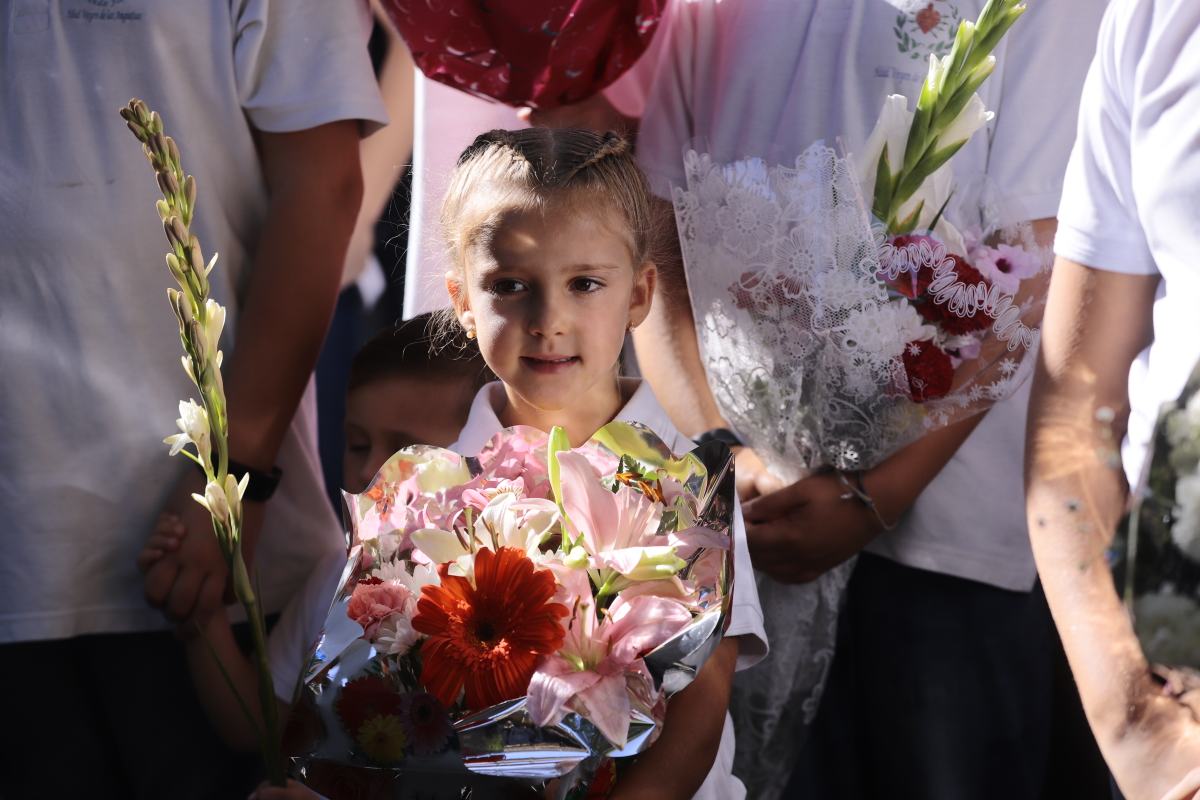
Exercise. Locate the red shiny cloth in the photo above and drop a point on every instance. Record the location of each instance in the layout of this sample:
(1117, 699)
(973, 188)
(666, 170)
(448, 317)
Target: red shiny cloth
(540, 53)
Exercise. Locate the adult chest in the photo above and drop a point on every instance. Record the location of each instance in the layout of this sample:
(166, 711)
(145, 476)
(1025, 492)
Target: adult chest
(784, 73)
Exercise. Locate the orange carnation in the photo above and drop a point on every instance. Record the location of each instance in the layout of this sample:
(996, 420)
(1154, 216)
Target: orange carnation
(486, 636)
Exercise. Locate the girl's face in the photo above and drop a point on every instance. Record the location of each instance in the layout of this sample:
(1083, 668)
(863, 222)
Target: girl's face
(550, 300)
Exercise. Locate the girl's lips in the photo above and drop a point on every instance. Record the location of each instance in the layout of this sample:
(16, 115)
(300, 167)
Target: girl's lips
(549, 366)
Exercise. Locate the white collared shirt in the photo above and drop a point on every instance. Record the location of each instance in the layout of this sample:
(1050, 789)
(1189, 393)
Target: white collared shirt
(746, 620)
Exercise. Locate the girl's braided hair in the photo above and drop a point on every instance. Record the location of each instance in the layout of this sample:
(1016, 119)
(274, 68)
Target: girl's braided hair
(526, 168)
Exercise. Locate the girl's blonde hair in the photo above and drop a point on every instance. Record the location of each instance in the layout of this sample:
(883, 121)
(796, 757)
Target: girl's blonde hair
(534, 167)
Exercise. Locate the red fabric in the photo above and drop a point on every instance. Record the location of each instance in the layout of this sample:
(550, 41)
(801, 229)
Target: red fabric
(541, 53)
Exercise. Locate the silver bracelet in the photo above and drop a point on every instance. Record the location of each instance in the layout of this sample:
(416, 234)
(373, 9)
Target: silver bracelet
(856, 491)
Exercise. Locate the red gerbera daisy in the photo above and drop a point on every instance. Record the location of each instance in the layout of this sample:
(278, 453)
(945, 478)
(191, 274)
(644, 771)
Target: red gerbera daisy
(486, 636)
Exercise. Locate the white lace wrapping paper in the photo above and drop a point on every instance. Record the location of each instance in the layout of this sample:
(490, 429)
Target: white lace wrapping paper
(803, 347)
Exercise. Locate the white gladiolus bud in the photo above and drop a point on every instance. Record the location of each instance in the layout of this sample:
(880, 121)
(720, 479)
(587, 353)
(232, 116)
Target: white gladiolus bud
(973, 117)
(892, 130)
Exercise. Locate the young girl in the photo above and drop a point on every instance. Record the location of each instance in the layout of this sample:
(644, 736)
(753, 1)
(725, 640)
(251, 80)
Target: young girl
(551, 234)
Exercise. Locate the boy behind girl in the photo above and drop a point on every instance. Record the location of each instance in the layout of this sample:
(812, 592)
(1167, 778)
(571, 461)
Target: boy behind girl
(401, 392)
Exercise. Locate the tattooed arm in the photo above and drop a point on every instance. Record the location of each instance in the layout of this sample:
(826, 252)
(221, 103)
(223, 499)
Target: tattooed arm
(1095, 325)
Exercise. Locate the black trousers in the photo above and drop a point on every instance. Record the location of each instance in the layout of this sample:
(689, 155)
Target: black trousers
(110, 716)
(947, 689)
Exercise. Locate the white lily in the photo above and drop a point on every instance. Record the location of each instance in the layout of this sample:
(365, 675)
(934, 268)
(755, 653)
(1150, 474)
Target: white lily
(507, 521)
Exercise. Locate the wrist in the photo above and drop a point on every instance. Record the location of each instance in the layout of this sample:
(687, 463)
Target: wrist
(858, 489)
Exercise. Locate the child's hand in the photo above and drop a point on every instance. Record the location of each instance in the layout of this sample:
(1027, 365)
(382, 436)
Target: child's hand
(165, 538)
(293, 791)
(188, 583)
(804, 530)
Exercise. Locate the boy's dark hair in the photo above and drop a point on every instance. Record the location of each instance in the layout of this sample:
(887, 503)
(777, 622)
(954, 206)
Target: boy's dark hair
(407, 350)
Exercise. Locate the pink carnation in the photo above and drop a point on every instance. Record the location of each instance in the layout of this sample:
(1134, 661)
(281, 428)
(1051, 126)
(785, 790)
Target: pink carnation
(373, 602)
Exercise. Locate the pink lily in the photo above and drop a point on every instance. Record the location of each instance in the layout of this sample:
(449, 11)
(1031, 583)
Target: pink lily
(590, 671)
(619, 530)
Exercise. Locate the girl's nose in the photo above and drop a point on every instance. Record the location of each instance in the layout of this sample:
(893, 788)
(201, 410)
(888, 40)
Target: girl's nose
(547, 316)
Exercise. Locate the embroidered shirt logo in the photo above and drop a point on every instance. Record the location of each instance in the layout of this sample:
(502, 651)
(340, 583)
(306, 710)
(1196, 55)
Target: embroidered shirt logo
(927, 30)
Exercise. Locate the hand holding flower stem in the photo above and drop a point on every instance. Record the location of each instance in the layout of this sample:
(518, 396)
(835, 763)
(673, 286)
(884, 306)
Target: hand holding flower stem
(205, 425)
(948, 112)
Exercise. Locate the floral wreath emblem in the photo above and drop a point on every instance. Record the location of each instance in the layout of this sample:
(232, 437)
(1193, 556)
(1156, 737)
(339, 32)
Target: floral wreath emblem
(927, 30)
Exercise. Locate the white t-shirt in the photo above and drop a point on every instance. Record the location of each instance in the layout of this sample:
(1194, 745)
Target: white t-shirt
(88, 343)
(746, 619)
(1132, 198)
(767, 78)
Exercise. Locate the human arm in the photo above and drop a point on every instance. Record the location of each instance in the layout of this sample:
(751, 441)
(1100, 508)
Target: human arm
(676, 765)
(315, 186)
(1075, 496)
(216, 663)
(385, 153)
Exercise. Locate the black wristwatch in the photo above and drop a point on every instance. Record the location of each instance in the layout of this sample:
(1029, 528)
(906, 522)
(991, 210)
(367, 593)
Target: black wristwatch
(723, 435)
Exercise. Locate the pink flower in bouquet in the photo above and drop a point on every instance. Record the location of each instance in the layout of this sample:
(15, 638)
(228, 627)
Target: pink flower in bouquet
(589, 672)
(619, 530)
(518, 453)
(1006, 266)
(373, 601)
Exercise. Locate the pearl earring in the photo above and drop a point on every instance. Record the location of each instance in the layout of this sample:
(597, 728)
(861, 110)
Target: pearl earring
(470, 333)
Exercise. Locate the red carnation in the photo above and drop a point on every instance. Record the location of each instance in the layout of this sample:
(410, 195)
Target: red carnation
(941, 315)
(930, 372)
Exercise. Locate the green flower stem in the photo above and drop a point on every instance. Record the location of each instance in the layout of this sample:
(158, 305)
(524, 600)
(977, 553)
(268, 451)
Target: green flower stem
(270, 742)
(951, 83)
(190, 303)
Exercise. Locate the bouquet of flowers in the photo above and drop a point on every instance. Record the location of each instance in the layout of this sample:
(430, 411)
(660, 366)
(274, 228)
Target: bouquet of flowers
(523, 614)
(844, 308)
(1158, 558)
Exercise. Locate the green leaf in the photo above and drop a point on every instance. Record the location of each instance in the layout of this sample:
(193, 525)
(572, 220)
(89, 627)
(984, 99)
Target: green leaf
(907, 224)
(884, 185)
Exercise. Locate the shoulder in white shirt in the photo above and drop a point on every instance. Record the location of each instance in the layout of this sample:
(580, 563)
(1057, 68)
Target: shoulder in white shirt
(1133, 187)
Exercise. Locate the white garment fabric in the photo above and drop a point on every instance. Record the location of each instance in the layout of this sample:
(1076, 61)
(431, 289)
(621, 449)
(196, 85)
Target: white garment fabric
(300, 625)
(746, 620)
(445, 122)
(768, 78)
(1133, 189)
(88, 343)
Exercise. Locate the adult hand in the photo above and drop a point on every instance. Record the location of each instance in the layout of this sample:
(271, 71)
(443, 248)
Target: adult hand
(803, 530)
(595, 114)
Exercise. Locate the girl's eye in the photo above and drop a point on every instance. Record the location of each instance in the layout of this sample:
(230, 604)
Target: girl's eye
(507, 286)
(586, 285)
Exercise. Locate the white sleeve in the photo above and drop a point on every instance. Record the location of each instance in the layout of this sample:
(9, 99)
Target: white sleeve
(1098, 223)
(300, 625)
(1045, 60)
(304, 63)
(746, 617)
(666, 127)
